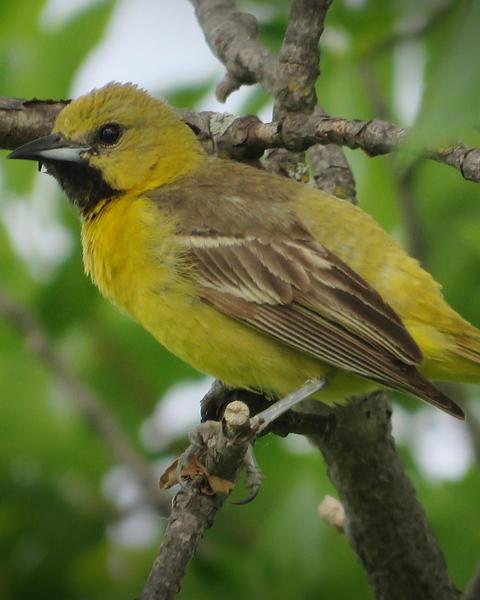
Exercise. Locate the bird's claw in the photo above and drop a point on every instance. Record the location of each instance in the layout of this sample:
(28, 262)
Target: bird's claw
(253, 477)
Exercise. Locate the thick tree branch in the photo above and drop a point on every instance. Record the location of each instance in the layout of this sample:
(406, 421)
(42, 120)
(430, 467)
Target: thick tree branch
(299, 59)
(360, 452)
(248, 137)
(385, 523)
(87, 402)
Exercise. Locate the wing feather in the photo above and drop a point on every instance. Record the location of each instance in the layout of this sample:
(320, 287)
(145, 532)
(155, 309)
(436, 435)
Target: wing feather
(318, 306)
(308, 281)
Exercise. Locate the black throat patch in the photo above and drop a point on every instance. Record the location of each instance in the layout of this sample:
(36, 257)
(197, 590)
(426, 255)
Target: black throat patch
(84, 185)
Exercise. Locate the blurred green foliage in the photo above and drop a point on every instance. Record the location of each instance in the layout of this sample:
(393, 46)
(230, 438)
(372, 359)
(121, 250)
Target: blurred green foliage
(55, 521)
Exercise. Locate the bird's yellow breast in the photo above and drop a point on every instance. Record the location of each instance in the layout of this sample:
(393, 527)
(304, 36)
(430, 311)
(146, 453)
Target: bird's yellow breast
(129, 252)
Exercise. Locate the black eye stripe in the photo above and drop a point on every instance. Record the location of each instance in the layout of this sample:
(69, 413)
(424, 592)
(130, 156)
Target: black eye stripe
(109, 133)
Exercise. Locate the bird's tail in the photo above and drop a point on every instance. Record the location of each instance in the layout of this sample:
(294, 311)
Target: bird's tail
(418, 385)
(457, 357)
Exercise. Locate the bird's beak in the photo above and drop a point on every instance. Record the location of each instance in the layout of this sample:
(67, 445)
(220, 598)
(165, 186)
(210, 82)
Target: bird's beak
(51, 147)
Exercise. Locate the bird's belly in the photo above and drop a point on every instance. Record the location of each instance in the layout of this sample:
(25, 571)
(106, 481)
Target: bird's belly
(235, 353)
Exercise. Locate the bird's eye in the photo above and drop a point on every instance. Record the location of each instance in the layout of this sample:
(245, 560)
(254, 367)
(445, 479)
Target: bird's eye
(109, 133)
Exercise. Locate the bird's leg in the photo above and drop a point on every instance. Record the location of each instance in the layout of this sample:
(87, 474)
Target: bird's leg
(263, 419)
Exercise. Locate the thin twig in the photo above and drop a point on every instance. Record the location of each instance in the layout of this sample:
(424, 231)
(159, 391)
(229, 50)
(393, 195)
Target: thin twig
(87, 402)
(231, 35)
(415, 240)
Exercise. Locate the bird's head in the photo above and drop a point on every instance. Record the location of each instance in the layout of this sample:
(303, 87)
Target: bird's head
(115, 139)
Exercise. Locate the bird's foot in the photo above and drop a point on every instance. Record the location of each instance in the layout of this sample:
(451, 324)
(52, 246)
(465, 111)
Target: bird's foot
(197, 464)
(253, 476)
(236, 432)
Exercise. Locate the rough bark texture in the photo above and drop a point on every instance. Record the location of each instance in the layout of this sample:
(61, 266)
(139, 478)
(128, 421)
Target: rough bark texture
(385, 524)
(220, 447)
(25, 120)
(192, 514)
(299, 59)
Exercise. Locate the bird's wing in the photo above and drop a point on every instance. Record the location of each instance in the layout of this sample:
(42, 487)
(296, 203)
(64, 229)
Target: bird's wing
(301, 294)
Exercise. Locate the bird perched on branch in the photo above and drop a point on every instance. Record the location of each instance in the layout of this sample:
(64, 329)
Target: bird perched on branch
(257, 280)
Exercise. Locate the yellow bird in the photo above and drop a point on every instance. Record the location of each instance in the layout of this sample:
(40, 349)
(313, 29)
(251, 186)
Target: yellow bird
(261, 282)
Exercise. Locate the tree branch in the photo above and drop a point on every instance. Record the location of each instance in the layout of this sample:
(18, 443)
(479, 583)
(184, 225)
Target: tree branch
(219, 448)
(24, 120)
(473, 589)
(385, 523)
(232, 35)
(87, 402)
(295, 94)
(248, 137)
(403, 560)
(299, 59)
